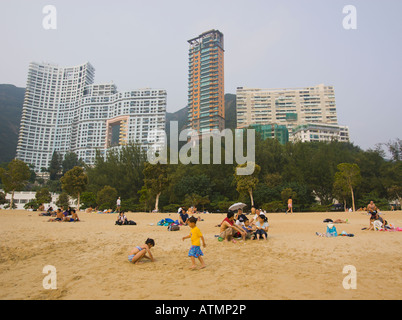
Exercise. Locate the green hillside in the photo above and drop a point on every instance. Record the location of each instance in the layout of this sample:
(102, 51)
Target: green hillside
(181, 115)
(11, 100)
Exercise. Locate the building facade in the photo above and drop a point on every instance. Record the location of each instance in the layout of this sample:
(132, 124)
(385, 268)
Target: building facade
(64, 111)
(289, 107)
(206, 104)
(321, 132)
(272, 131)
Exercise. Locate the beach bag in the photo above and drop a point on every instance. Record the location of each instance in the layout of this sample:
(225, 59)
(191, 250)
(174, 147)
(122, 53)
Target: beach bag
(173, 227)
(131, 223)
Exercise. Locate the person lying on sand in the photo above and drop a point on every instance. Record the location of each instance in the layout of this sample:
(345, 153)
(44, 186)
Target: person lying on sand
(341, 221)
(139, 252)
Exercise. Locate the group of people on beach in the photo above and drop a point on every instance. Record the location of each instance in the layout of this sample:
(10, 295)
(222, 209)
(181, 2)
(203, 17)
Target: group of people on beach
(238, 225)
(69, 215)
(374, 214)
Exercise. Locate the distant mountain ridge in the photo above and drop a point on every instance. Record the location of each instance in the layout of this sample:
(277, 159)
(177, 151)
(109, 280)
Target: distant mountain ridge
(12, 99)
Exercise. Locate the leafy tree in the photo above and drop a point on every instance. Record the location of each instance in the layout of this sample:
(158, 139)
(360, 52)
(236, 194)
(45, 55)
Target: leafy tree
(146, 199)
(348, 177)
(3, 199)
(88, 199)
(74, 182)
(55, 166)
(15, 178)
(106, 198)
(121, 169)
(70, 161)
(193, 200)
(63, 201)
(156, 179)
(43, 196)
(247, 183)
(395, 149)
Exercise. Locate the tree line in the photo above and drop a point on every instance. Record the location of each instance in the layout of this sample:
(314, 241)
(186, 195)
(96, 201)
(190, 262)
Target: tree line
(314, 174)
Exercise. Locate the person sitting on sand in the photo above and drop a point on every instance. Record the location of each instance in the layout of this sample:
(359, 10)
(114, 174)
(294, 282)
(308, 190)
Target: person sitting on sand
(72, 218)
(121, 219)
(229, 228)
(261, 227)
(248, 228)
(371, 207)
(140, 252)
(331, 231)
(88, 210)
(59, 216)
(254, 219)
(183, 218)
(375, 217)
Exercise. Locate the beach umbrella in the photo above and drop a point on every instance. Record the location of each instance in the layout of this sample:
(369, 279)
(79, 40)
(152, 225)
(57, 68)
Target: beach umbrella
(237, 206)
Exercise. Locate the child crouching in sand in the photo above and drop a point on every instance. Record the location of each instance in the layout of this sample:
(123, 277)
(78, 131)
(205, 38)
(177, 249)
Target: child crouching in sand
(195, 250)
(140, 252)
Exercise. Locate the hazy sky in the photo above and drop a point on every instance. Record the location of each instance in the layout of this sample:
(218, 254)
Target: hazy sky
(268, 44)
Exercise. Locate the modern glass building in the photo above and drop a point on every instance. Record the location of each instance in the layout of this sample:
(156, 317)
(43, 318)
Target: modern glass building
(206, 104)
(64, 111)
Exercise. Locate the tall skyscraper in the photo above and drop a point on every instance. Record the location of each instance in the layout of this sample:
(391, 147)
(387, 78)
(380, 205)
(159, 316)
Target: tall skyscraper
(64, 111)
(206, 104)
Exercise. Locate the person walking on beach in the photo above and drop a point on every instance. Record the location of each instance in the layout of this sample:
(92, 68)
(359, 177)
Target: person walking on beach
(290, 205)
(118, 205)
(195, 250)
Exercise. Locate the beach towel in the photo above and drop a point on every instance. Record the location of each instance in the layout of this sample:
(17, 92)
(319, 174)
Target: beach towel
(165, 222)
(345, 234)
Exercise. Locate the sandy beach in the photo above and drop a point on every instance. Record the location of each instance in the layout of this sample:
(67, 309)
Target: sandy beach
(90, 257)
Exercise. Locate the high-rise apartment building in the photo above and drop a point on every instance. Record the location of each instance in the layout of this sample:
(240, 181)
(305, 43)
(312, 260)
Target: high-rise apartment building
(206, 104)
(289, 107)
(64, 111)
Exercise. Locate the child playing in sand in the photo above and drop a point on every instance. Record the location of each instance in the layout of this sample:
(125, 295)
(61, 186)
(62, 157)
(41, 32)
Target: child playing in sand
(140, 252)
(195, 250)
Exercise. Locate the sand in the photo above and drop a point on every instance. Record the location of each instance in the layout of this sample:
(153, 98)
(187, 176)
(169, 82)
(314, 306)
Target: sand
(90, 258)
